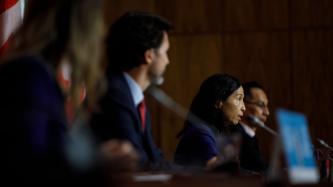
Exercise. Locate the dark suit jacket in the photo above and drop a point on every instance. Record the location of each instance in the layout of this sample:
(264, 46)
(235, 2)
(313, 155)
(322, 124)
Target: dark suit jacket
(250, 156)
(118, 118)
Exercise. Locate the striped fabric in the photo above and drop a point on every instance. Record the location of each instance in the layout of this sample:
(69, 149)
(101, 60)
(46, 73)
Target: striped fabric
(11, 14)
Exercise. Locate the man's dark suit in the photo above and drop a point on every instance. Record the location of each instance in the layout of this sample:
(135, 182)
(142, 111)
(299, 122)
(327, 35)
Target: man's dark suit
(118, 118)
(250, 156)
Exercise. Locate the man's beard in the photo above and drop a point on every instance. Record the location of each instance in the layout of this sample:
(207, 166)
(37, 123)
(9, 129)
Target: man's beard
(156, 80)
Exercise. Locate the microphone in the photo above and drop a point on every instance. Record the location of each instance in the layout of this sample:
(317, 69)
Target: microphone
(157, 80)
(259, 123)
(172, 105)
(323, 143)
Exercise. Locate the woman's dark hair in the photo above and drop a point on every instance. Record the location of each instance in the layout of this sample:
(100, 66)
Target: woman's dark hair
(214, 89)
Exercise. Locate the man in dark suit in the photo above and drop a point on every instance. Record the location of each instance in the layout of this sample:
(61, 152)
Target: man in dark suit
(137, 46)
(256, 104)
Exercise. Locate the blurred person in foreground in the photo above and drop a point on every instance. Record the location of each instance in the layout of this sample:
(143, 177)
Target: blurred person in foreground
(219, 104)
(35, 135)
(137, 50)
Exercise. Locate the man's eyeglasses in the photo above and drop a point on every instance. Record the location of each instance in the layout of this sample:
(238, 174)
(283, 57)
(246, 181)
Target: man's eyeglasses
(259, 104)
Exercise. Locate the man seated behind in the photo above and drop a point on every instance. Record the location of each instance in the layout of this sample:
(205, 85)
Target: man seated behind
(256, 104)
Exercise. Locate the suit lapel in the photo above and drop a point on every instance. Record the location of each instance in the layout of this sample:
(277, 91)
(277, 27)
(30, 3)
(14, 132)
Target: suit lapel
(121, 94)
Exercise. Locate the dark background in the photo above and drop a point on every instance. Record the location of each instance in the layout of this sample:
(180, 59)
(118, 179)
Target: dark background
(286, 45)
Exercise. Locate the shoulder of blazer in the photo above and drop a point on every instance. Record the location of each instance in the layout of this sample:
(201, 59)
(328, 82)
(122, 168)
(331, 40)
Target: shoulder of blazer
(119, 92)
(119, 95)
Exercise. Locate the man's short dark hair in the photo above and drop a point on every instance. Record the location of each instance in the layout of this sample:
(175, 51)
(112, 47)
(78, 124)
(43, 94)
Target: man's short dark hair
(131, 36)
(247, 86)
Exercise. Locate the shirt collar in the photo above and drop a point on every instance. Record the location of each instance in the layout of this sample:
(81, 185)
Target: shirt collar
(136, 91)
(248, 130)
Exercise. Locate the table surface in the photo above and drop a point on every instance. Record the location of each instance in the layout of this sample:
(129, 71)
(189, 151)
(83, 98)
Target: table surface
(195, 180)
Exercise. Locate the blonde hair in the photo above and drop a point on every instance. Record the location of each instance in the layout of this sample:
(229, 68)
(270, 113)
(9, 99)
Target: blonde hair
(73, 29)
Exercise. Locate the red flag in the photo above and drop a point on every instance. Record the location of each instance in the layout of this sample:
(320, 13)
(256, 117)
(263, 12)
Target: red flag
(11, 14)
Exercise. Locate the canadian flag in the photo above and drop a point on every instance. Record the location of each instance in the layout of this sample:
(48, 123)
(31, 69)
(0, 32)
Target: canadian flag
(64, 79)
(11, 16)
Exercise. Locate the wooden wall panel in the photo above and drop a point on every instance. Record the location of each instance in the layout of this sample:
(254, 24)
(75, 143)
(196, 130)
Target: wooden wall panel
(115, 8)
(192, 16)
(192, 59)
(313, 80)
(312, 13)
(255, 14)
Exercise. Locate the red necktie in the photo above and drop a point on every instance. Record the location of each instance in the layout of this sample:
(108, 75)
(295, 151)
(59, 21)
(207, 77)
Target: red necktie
(142, 112)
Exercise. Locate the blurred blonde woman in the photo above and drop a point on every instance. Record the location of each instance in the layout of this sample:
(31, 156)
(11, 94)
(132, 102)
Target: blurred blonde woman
(32, 114)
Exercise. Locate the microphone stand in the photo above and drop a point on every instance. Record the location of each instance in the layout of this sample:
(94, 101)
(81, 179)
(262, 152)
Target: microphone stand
(326, 162)
(323, 143)
(259, 123)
